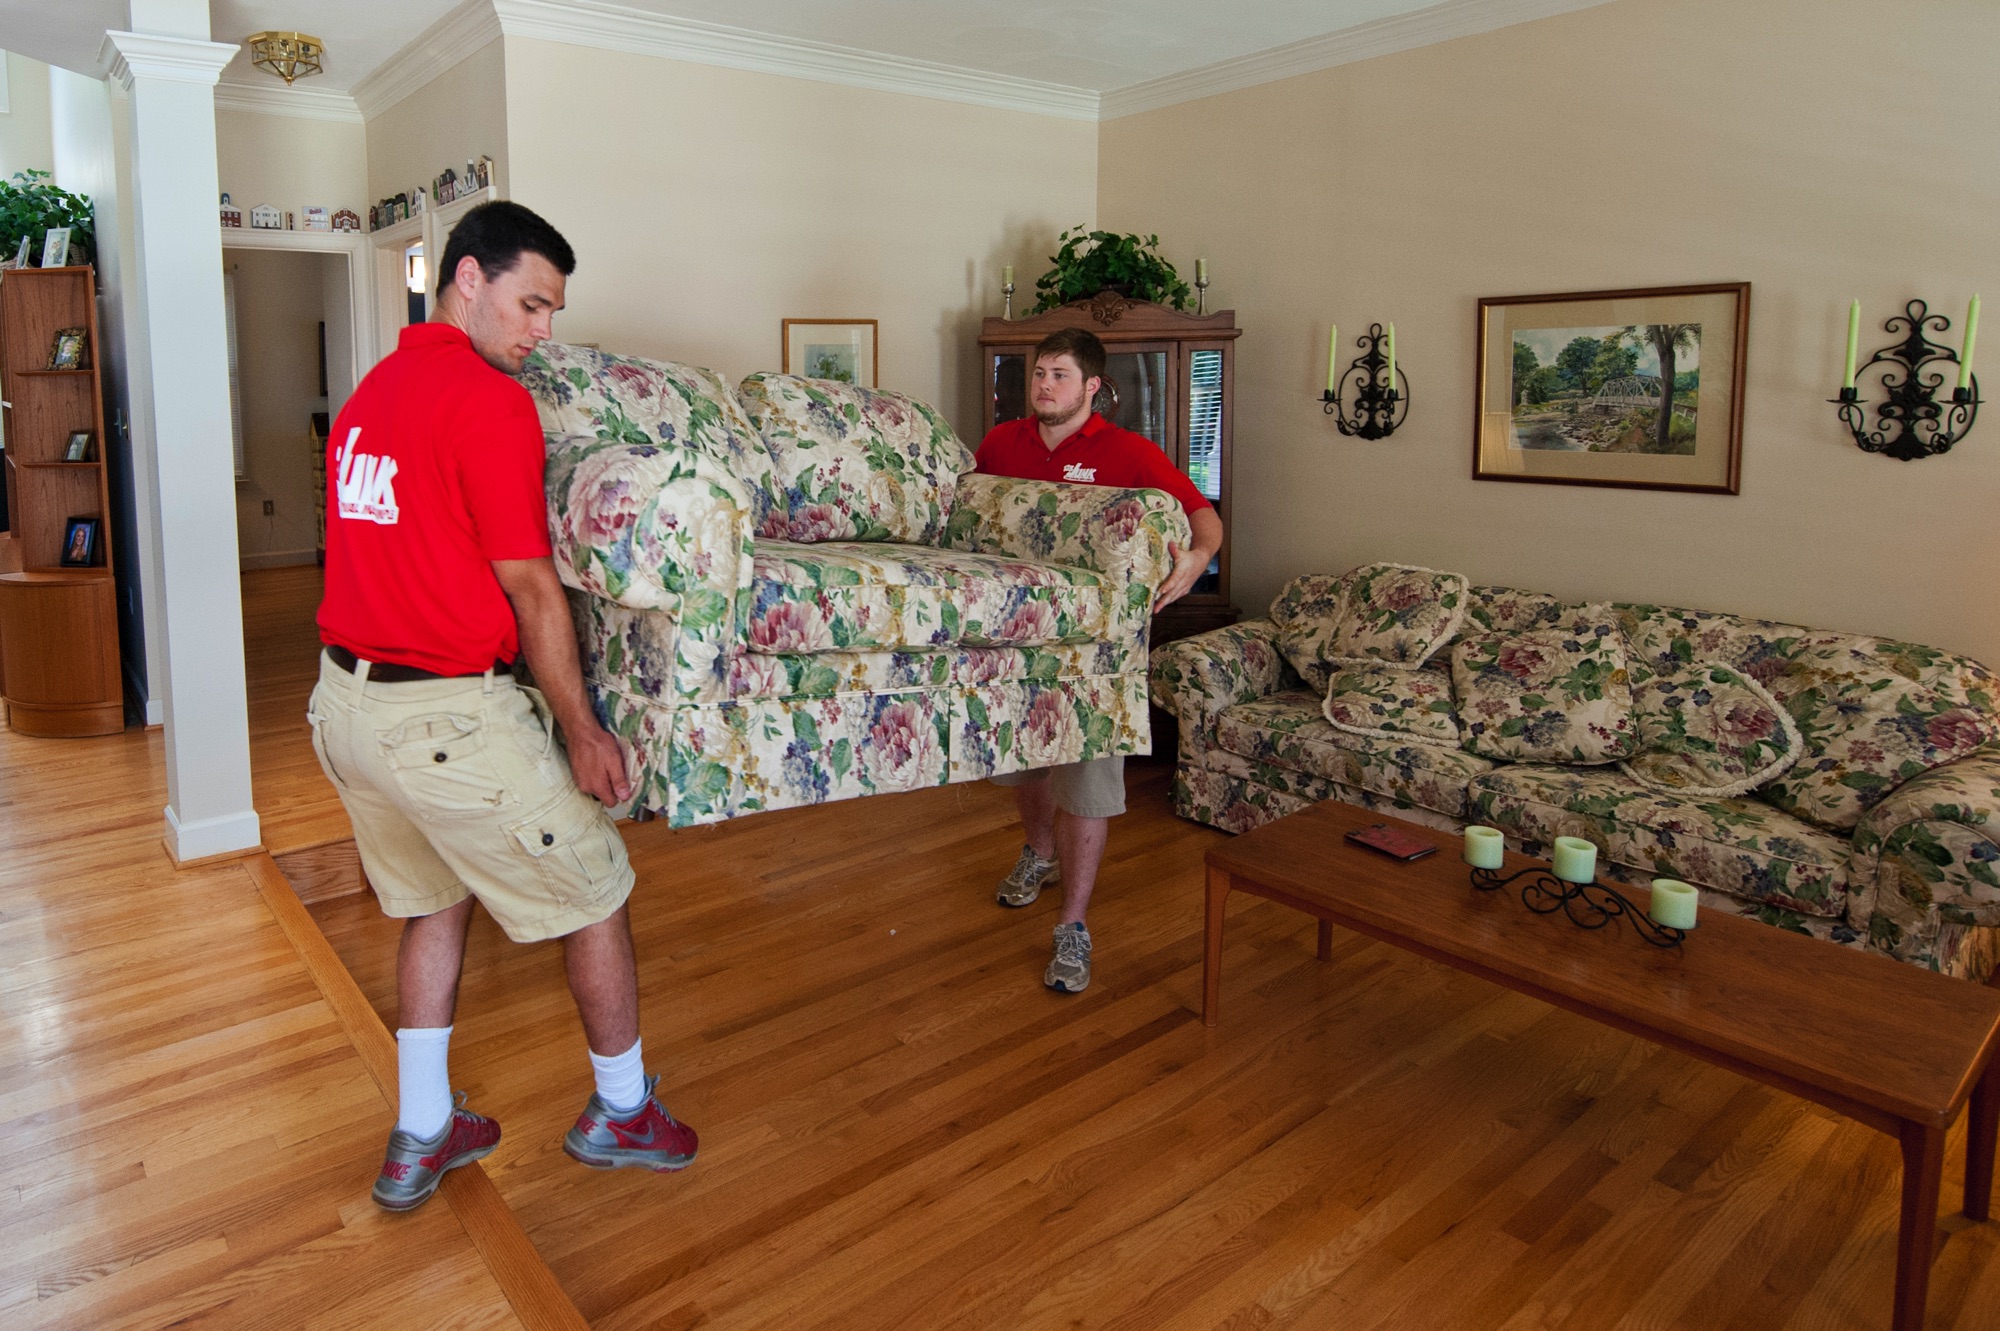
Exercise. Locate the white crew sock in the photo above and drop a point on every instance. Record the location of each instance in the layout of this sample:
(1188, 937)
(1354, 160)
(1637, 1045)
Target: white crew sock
(423, 1083)
(621, 1080)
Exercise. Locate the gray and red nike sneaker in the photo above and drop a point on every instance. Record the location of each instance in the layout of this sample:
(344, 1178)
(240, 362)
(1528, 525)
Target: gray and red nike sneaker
(651, 1138)
(413, 1168)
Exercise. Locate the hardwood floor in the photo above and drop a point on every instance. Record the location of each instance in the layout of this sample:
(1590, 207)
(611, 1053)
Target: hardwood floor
(898, 1128)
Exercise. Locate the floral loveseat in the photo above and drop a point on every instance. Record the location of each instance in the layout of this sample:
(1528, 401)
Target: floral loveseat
(1880, 834)
(796, 591)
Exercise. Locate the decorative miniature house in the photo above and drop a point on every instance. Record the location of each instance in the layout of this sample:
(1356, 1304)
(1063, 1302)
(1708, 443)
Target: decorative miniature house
(346, 220)
(264, 217)
(312, 217)
(231, 214)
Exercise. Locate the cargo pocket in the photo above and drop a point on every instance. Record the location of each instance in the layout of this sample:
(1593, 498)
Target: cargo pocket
(318, 724)
(442, 765)
(574, 847)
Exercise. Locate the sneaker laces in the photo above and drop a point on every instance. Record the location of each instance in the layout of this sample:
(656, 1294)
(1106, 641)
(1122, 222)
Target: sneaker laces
(1072, 945)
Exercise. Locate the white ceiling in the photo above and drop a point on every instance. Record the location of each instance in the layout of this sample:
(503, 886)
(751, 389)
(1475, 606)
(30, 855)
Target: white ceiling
(1098, 45)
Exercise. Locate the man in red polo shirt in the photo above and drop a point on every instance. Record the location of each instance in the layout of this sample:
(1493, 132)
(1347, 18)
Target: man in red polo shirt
(1064, 440)
(438, 576)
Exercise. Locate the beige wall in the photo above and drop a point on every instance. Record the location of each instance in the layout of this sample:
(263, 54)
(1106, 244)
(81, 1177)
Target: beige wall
(1819, 149)
(280, 300)
(25, 140)
(706, 205)
(460, 114)
(289, 162)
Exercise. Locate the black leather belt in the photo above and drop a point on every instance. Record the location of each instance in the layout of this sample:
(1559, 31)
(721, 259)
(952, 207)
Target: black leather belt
(385, 672)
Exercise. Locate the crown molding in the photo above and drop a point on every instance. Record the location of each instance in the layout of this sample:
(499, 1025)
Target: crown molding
(1402, 32)
(616, 28)
(125, 56)
(437, 48)
(278, 100)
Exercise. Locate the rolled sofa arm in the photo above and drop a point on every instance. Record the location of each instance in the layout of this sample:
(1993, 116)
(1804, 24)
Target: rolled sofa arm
(1200, 677)
(1926, 862)
(1121, 533)
(652, 527)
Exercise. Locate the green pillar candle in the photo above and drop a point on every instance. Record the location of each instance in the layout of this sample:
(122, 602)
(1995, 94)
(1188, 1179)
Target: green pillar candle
(1332, 355)
(1971, 332)
(1673, 903)
(1392, 358)
(1575, 860)
(1853, 342)
(1484, 847)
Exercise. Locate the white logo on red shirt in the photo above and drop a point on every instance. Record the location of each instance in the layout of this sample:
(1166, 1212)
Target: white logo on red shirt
(364, 484)
(1076, 471)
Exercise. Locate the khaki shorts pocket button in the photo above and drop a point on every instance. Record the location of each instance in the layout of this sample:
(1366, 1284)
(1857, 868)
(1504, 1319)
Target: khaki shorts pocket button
(437, 757)
(548, 838)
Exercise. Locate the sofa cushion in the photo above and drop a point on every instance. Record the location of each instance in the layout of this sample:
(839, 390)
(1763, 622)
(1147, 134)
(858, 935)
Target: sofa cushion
(1397, 613)
(856, 596)
(1287, 730)
(1548, 695)
(1871, 712)
(1740, 846)
(1709, 730)
(579, 390)
(1391, 702)
(1307, 612)
(853, 464)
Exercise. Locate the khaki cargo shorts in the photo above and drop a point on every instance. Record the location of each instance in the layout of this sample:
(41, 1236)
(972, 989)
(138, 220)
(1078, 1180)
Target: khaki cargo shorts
(1094, 788)
(457, 786)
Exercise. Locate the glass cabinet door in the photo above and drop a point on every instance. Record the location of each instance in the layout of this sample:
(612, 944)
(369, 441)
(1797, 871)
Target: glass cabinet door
(1138, 393)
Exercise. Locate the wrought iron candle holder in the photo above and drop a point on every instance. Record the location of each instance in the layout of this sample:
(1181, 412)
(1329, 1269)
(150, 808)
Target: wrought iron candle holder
(1911, 422)
(1378, 408)
(1588, 905)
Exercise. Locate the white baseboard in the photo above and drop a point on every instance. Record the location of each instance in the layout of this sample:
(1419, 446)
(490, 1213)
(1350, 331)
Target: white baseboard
(276, 559)
(228, 834)
(156, 712)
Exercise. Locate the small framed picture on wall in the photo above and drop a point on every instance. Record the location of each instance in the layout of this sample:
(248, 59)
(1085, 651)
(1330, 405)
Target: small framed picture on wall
(842, 350)
(79, 548)
(78, 447)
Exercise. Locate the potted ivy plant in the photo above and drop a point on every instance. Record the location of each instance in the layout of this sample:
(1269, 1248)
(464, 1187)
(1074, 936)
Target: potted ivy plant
(1087, 262)
(30, 205)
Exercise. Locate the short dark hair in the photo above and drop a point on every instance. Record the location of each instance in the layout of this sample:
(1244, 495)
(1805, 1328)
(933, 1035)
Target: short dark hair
(1078, 343)
(498, 234)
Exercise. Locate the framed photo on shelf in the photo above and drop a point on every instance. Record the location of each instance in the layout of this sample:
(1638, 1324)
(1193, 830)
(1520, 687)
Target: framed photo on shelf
(67, 353)
(1641, 389)
(55, 247)
(839, 349)
(79, 548)
(78, 447)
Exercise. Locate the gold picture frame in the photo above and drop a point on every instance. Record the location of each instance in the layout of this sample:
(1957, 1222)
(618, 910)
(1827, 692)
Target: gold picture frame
(67, 353)
(1569, 388)
(843, 350)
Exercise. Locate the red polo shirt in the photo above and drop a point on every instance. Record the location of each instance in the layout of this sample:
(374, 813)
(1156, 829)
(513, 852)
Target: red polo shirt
(434, 470)
(1099, 453)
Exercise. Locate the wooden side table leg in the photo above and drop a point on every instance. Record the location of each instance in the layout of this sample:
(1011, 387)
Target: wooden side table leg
(1211, 946)
(1326, 940)
(1982, 1125)
(1916, 1237)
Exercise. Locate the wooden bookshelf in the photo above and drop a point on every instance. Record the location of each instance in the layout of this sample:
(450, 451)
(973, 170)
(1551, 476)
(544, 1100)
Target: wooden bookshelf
(59, 668)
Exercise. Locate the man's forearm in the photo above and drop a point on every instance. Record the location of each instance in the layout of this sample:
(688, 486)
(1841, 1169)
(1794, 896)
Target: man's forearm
(1206, 525)
(548, 642)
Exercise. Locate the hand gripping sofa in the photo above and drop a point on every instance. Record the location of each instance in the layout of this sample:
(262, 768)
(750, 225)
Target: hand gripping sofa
(796, 591)
(1884, 833)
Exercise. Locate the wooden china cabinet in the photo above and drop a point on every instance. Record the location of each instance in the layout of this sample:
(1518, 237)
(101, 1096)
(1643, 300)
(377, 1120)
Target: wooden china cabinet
(1168, 376)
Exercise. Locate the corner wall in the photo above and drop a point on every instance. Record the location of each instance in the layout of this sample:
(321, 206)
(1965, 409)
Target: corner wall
(460, 114)
(1819, 149)
(707, 205)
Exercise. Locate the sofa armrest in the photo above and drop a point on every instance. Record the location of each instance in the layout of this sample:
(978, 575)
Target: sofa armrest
(1926, 861)
(1121, 533)
(652, 527)
(1200, 677)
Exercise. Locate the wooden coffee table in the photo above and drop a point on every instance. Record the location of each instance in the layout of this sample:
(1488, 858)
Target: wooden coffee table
(1900, 1049)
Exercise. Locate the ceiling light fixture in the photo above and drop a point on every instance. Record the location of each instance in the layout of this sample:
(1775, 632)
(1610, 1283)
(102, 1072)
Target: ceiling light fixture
(289, 55)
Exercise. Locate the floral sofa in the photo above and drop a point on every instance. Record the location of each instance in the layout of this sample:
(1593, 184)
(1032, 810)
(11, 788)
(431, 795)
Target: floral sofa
(796, 590)
(1880, 833)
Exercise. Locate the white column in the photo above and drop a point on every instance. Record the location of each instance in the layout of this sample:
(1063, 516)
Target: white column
(183, 380)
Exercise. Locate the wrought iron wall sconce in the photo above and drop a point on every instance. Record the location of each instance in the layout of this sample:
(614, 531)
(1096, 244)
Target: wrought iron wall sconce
(1912, 422)
(1379, 409)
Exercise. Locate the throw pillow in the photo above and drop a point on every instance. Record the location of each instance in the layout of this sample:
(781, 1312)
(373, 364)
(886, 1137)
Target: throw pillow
(1709, 730)
(1397, 614)
(1389, 702)
(1557, 695)
(1306, 613)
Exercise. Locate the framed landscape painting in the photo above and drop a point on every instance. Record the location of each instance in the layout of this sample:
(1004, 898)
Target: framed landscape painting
(1642, 389)
(839, 349)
